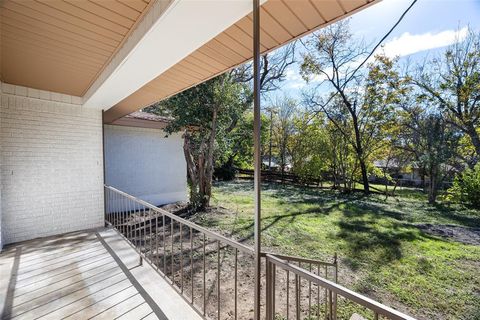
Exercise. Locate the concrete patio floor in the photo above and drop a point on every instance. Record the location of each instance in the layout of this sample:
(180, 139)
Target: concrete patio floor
(84, 275)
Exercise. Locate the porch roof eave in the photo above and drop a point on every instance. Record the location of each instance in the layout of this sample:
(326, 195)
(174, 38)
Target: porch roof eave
(229, 45)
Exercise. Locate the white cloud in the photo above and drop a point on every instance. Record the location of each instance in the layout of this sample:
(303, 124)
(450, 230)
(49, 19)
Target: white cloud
(408, 43)
(294, 80)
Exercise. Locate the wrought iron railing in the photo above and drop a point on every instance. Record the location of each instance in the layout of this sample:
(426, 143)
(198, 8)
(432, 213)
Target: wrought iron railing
(212, 273)
(340, 302)
(215, 274)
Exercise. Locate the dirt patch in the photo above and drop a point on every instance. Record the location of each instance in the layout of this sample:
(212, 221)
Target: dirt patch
(452, 232)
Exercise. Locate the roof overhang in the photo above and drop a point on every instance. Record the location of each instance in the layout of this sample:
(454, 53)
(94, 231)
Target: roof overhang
(282, 21)
(139, 123)
(122, 55)
(63, 46)
(181, 29)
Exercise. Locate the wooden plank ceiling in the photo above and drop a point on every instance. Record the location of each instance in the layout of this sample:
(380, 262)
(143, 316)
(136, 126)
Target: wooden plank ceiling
(70, 41)
(281, 21)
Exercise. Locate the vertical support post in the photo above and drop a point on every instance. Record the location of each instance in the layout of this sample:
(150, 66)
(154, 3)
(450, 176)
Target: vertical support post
(257, 157)
(104, 182)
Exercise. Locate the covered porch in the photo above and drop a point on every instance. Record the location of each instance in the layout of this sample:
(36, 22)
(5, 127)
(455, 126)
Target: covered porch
(69, 68)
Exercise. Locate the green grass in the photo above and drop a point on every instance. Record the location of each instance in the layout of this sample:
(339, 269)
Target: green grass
(382, 252)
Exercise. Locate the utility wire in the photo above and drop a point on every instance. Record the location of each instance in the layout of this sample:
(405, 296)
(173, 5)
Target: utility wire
(383, 39)
(373, 50)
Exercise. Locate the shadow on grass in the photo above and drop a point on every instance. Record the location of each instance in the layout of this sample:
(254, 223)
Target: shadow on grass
(367, 243)
(272, 221)
(371, 229)
(456, 216)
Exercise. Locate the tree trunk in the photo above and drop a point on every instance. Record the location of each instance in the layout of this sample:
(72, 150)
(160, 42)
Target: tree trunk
(360, 155)
(191, 168)
(432, 188)
(366, 183)
(209, 161)
(201, 177)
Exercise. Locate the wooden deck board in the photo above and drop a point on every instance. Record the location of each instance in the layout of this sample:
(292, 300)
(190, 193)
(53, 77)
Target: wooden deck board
(80, 276)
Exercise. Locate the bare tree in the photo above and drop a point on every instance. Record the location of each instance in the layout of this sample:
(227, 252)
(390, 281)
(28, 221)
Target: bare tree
(273, 68)
(452, 84)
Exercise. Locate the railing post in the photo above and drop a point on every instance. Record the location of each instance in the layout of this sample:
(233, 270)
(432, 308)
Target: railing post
(297, 296)
(268, 298)
(334, 311)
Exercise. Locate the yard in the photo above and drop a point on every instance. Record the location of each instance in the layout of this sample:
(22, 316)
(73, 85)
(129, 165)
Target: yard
(421, 259)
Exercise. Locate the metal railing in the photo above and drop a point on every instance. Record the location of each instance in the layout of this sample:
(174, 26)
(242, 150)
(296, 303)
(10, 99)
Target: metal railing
(352, 302)
(214, 274)
(317, 305)
(211, 272)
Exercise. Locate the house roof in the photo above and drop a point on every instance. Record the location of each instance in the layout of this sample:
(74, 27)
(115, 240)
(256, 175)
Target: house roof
(143, 120)
(148, 116)
(282, 21)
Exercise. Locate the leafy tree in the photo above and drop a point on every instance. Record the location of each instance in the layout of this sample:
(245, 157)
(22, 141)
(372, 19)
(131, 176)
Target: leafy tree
(432, 142)
(208, 109)
(452, 84)
(466, 187)
(283, 127)
(238, 143)
(273, 68)
(308, 146)
(214, 109)
(359, 104)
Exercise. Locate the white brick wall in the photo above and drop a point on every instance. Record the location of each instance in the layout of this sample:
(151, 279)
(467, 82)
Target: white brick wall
(51, 164)
(146, 164)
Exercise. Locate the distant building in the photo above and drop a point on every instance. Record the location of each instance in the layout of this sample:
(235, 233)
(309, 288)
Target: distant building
(410, 172)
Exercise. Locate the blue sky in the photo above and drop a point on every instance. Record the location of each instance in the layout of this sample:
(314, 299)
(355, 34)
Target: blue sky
(428, 28)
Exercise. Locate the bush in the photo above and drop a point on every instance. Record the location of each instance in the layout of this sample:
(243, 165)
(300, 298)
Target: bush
(466, 187)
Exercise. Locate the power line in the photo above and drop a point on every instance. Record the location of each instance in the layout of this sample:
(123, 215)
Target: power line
(383, 39)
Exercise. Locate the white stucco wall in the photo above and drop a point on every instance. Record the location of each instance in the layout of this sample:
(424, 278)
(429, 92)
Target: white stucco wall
(51, 164)
(145, 163)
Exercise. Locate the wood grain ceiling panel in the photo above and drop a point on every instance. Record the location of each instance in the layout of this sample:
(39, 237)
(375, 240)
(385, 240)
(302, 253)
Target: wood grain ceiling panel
(25, 23)
(329, 10)
(37, 68)
(119, 8)
(300, 7)
(138, 5)
(82, 54)
(63, 39)
(100, 11)
(48, 13)
(35, 15)
(72, 10)
(281, 22)
(285, 17)
(349, 5)
(34, 48)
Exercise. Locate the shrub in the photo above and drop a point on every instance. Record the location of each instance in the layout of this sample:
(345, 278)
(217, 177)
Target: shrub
(466, 187)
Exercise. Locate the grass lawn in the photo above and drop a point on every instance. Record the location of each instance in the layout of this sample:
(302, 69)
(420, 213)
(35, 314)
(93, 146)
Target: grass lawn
(382, 251)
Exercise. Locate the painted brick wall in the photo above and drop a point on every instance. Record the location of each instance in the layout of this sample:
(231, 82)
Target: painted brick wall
(51, 164)
(146, 164)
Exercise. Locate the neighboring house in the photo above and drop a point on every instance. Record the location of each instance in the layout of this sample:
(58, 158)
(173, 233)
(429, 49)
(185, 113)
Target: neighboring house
(408, 172)
(142, 160)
